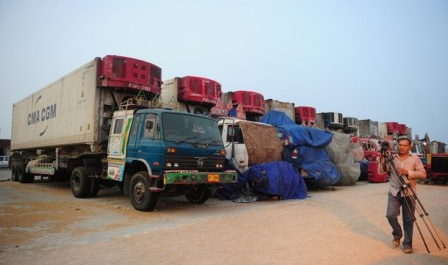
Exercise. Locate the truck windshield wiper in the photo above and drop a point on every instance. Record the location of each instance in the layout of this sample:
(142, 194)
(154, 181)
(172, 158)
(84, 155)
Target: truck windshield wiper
(185, 139)
(203, 139)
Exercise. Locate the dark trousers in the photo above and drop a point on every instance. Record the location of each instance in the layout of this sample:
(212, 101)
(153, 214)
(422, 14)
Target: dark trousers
(393, 211)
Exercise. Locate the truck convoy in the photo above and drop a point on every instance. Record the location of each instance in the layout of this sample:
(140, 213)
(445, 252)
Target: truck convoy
(99, 125)
(113, 121)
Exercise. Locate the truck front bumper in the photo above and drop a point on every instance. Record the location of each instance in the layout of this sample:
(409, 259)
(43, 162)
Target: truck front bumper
(200, 177)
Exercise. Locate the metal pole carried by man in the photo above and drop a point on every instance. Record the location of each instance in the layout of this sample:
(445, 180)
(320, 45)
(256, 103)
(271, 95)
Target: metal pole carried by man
(404, 170)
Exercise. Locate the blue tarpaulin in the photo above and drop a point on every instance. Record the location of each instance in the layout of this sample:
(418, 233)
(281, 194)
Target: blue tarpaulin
(297, 135)
(310, 144)
(278, 178)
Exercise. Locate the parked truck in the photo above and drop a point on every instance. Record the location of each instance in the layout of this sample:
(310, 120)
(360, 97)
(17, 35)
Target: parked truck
(437, 167)
(98, 125)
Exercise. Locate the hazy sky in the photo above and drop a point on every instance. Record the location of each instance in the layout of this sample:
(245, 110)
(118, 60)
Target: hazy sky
(382, 60)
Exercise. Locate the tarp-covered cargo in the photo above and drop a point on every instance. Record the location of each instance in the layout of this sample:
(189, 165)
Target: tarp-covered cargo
(341, 154)
(264, 181)
(310, 144)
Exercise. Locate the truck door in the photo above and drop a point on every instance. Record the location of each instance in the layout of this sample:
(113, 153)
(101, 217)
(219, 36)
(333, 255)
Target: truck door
(118, 142)
(234, 144)
(146, 141)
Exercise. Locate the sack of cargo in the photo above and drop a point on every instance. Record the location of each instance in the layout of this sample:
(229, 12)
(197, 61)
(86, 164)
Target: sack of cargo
(340, 152)
(261, 142)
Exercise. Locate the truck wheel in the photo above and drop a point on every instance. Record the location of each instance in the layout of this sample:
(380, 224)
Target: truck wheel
(14, 174)
(139, 193)
(80, 183)
(199, 194)
(21, 176)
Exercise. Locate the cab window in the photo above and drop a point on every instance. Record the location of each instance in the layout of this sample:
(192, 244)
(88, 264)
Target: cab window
(234, 134)
(152, 129)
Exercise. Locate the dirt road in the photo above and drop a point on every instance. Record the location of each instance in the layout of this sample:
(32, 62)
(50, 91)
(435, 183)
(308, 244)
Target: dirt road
(42, 223)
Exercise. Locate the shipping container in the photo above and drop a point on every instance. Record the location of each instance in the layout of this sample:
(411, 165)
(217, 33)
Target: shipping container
(368, 128)
(77, 108)
(330, 121)
(382, 130)
(285, 107)
(350, 124)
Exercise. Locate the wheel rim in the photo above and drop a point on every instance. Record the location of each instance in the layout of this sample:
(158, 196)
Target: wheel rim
(76, 182)
(139, 192)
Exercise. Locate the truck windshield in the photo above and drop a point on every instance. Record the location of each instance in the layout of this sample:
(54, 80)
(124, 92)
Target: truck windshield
(417, 148)
(180, 127)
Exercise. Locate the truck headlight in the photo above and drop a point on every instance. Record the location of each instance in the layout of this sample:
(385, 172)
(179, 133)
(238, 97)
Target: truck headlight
(222, 152)
(171, 150)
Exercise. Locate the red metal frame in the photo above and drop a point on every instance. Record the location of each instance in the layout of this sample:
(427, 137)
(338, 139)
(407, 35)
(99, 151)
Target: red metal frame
(372, 155)
(198, 89)
(392, 127)
(402, 129)
(305, 115)
(125, 72)
(252, 102)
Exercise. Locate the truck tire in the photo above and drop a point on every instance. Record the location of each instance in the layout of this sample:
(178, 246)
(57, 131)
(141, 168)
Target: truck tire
(199, 194)
(142, 198)
(80, 183)
(14, 174)
(21, 176)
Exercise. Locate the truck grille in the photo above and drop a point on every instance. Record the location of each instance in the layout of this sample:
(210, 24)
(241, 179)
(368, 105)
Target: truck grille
(193, 163)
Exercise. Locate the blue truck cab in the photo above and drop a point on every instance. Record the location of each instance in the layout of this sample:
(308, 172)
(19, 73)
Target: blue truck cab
(154, 152)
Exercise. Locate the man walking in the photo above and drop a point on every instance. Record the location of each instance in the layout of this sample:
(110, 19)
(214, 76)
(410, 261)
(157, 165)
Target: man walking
(410, 167)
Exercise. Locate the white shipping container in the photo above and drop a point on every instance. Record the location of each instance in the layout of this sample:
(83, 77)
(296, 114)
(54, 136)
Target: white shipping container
(320, 121)
(382, 129)
(285, 107)
(65, 112)
(368, 128)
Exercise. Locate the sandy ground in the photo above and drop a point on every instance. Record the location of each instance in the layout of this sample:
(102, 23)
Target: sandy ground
(42, 223)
